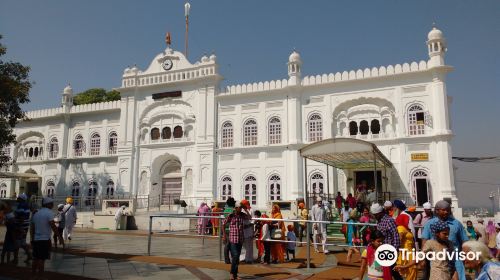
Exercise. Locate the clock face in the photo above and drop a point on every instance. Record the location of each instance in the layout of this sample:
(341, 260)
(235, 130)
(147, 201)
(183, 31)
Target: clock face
(167, 64)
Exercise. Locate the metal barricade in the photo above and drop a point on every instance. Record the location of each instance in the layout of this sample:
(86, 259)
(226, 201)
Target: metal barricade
(221, 228)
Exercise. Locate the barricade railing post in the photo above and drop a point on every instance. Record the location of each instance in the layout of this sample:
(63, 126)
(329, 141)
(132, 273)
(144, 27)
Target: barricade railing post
(150, 233)
(220, 237)
(308, 235)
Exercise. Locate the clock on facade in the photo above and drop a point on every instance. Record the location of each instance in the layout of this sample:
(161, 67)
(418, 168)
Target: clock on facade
(167, 64)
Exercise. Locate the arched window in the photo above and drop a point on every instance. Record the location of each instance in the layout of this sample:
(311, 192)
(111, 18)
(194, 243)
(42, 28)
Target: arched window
(95, 144)
(178, 132)
(30, 153)
(110, 189)
(250, 133)
(375, 127)
(421, 187)
(50, 189)
(3, 191)
(416, 120)
(226, 188)
(315, 128)
(113, 143)
(353, 128)
(79, 145)
(227, 135)
(53, 147)
(92, 193)
(275, 131)
(275, 187)
(75, 192)
(317, 185)
(35, 153)
(166, 133)
(155, 133)
(363, 127)
(251, 189)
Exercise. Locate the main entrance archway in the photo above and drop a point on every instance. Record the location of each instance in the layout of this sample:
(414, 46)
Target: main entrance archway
(167, 170)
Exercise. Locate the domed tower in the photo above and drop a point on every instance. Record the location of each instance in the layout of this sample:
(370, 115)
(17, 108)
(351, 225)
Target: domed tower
(67, 98)
(294, 69)
(437, 47)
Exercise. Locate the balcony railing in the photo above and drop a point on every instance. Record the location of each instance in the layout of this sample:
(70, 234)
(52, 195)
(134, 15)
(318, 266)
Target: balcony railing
(170, 140)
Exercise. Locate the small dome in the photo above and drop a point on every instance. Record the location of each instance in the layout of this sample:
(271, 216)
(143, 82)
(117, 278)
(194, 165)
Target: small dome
(294, 57)
(435, 34)
(213, 57)
(126, 71)
(134, 69)
(68, 90)
(204, 58)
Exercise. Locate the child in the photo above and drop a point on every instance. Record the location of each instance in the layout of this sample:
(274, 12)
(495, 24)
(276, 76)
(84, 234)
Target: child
(9, 243)
(290, 247)
(265, 238)
(368, 264)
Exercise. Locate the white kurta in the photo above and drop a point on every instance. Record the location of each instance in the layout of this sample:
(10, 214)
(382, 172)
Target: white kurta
(319, 214)
(70, 220)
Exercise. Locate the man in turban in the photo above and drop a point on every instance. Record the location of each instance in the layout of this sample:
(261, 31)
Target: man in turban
(69, 212)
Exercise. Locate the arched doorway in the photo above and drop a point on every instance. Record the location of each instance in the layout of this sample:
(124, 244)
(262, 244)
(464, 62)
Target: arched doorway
(32, 184)
(171, 181)
(421, 187)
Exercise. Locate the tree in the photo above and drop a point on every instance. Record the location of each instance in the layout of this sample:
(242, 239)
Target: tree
(14, 91)
(95, 95)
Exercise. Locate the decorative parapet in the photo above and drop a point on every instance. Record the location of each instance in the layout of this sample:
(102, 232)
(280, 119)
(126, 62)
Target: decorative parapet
(330, 78)
(52, 112)
(365, 74)
(140, 80)
(101, 106)
(44, 113)
(255, 87)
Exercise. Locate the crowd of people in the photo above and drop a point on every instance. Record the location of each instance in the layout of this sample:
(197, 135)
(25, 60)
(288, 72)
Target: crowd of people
(41, 224)
(366, 225)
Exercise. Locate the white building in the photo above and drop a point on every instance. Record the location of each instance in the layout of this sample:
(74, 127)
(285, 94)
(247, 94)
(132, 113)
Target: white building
(175, 131)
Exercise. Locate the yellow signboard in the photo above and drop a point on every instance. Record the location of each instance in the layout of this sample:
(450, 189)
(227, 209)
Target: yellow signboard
(420, 157)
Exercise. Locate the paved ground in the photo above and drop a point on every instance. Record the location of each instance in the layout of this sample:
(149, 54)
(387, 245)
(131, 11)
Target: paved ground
(107, 255)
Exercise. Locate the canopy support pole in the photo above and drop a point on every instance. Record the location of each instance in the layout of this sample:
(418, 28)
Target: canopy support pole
(328, 182)
(375, 172)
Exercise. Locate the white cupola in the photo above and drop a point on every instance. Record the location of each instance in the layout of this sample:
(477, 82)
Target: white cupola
(67, 97)
(436, 45)
(294, 68)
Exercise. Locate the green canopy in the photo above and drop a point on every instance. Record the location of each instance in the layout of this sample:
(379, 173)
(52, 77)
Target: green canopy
(346, 153)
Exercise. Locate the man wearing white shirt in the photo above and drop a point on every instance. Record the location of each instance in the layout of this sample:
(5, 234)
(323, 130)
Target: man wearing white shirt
(42, 226)
(318, 213)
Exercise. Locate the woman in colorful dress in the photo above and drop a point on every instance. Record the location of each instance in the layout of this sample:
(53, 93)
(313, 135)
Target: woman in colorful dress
(277, 248)
(409, 272)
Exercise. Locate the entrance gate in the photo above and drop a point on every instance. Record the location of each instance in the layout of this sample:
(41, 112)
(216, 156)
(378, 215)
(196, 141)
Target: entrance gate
(170, 189)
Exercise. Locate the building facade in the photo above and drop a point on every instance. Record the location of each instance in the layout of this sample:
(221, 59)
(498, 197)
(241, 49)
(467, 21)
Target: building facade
(176, 132)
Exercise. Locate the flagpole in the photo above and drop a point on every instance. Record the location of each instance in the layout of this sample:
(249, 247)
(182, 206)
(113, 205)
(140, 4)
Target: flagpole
(187, 7)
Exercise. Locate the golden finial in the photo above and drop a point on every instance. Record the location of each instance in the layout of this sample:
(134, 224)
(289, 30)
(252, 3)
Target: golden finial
(168, 40)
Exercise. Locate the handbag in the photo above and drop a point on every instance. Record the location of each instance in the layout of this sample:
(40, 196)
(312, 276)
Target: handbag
(276, 234)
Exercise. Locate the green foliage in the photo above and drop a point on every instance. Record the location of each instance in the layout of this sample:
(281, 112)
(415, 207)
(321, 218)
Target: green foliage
(95, 95)
(14, 91)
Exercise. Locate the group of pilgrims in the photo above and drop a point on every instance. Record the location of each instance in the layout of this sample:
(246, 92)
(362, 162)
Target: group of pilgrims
(366, 225)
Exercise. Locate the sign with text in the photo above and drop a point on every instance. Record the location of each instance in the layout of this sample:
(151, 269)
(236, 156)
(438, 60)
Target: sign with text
(420, 157)
(169, 94)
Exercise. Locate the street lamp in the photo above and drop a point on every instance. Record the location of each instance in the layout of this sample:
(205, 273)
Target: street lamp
(492, 198)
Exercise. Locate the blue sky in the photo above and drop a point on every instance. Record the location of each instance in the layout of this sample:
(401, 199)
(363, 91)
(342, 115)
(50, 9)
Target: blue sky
(89, 43)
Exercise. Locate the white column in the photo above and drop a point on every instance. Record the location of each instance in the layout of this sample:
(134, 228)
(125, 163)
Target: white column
(440, 115)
